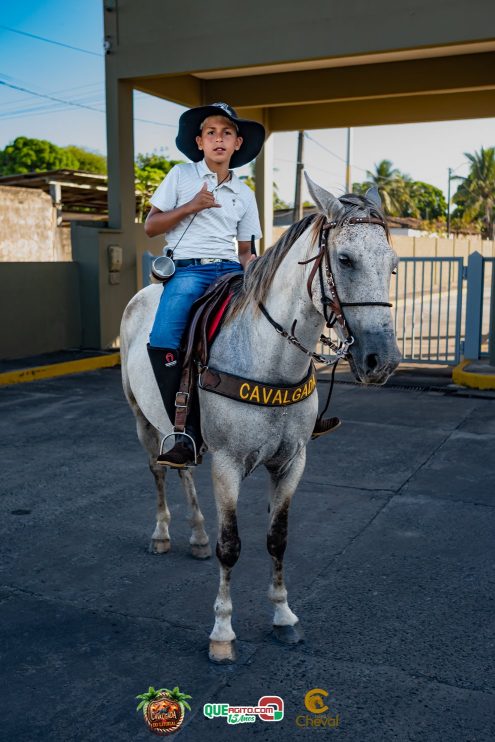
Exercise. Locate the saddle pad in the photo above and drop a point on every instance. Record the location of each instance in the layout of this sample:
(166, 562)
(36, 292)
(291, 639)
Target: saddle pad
(216, 320)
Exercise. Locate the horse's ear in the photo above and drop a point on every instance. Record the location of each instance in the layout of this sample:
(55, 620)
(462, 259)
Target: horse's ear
(325, 201)
(373, 195)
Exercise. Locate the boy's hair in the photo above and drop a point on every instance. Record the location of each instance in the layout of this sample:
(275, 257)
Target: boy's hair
(221, 117)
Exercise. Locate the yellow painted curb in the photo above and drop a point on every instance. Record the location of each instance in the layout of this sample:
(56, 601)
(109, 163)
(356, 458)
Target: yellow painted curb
(23, 375)
(472, 380)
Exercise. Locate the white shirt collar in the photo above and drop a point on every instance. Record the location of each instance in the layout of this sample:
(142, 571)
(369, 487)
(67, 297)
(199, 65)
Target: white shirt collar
(234, 183)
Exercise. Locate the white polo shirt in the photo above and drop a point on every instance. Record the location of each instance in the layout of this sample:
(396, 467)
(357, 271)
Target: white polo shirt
(213, 232)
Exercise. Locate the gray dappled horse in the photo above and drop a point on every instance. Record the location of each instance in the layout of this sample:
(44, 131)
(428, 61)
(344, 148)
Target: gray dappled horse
(241, 437)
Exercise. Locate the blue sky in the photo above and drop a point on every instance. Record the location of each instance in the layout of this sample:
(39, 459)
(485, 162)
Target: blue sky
(424, 151)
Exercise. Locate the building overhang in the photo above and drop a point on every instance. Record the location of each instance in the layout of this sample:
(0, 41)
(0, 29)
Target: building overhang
(440, 83)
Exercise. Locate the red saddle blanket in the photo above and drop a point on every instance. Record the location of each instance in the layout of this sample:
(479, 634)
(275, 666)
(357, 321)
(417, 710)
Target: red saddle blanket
(216, 319)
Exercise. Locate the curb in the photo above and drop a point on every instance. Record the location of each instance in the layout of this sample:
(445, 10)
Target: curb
(472, 380)
(24, 375)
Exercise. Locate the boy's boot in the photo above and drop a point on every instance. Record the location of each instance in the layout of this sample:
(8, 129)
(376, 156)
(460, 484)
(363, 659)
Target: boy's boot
(167, 368)
(325, 425)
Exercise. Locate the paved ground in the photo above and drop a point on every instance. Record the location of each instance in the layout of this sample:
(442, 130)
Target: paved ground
(389, 567)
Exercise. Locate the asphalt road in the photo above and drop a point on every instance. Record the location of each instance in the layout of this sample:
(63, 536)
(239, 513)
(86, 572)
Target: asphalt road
(389, 568)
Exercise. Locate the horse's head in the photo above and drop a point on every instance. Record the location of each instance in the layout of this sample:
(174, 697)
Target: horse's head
(361, 261)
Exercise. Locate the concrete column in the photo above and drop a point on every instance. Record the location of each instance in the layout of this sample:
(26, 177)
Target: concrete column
(264, 191)
(120, 153)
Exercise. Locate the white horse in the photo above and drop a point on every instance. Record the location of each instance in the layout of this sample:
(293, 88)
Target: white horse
(240, 436)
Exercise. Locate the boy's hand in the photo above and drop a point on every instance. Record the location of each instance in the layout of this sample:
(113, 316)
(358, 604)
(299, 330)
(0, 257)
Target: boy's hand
(204, 199)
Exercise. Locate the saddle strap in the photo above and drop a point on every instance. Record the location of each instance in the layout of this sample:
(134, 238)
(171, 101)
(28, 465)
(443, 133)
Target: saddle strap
(256, 392)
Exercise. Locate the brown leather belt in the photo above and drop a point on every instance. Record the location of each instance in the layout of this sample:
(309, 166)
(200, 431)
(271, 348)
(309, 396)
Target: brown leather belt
(256, 392)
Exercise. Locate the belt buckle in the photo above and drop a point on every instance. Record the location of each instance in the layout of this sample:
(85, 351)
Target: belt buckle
(205, 261)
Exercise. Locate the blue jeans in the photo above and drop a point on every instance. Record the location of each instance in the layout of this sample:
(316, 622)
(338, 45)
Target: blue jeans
(186, 285)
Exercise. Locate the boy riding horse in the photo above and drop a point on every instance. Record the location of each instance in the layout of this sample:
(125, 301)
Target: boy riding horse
(203, 208)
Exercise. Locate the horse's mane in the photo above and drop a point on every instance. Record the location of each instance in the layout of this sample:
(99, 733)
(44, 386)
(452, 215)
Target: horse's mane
(259, 274)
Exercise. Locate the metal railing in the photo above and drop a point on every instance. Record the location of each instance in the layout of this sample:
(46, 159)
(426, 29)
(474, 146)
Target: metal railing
(427, 309)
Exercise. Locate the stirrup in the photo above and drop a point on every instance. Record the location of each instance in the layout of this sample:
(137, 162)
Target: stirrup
(186, 435)
(324, 426)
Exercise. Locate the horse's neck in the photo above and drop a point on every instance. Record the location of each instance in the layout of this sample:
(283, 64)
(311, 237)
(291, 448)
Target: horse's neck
(250, 344)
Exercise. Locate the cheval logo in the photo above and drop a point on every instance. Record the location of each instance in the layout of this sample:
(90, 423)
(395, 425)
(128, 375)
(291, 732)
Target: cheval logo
(315, 703)
(163, 709)
(269, 708)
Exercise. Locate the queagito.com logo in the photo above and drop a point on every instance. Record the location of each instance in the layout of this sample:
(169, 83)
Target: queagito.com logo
(268, 708)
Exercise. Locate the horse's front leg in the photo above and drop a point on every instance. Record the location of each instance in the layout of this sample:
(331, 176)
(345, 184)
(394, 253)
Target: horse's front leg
(284, 481)
(226, 483)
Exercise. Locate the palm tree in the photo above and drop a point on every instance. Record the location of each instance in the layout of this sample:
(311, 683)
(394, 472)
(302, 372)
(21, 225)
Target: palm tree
(476, 194)
(394, 187)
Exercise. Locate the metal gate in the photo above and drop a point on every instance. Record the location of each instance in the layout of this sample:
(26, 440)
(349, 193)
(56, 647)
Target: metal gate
(427, 308)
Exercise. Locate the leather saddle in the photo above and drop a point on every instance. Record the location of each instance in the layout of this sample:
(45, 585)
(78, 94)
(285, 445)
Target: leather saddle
(207, 314)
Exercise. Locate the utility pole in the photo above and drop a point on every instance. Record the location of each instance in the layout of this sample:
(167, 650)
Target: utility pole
(298, 210)
(348, 181)
(448, 203)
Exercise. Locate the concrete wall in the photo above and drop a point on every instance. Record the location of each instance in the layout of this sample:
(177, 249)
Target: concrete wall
(28, 227)
(39, 307)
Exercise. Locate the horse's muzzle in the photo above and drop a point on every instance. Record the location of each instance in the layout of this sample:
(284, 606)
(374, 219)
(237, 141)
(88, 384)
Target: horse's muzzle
(374, 358)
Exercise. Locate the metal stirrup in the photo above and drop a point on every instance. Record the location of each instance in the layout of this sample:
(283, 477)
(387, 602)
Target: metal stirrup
(186, 435)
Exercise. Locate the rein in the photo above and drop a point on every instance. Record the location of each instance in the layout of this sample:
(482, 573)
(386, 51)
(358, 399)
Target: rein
(336, 317)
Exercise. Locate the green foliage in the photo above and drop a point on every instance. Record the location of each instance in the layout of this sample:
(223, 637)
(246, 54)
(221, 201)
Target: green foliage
(401, 196)
(150, 169)
(394, 188)
(25, 155)
(89, 162)
(429, 200)
(475, 196)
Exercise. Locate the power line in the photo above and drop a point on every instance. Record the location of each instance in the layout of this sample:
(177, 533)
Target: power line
(75, 104)
(50, 41)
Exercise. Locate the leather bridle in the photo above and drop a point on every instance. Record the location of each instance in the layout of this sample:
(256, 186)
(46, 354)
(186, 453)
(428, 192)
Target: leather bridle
(332, 306)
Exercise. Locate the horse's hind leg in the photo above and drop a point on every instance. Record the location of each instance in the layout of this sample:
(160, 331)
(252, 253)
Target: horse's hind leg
(283, 485)
(200, 543)
(160, 540)
(150, 440)
(226, 483)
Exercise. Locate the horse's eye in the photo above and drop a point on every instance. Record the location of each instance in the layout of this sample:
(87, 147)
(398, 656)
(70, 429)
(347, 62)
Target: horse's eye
(345, 261)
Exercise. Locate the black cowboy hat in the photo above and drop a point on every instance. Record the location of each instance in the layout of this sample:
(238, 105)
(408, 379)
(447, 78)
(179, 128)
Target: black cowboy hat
(252, 132)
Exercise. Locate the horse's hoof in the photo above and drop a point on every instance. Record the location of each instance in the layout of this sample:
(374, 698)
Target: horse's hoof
(289, 634)
(159, 545)
(222, 653)
(201, 551)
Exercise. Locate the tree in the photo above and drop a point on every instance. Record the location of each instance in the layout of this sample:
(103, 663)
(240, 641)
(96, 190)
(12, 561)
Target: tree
(88, 161)
(394, 188)
(150, 169)
(429, 201)
(25, 155)
(475, 197)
